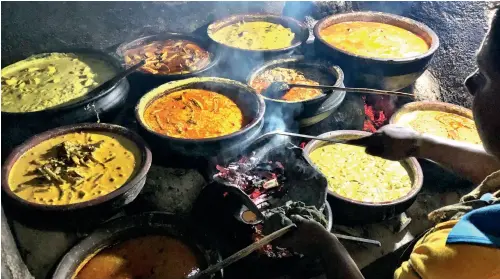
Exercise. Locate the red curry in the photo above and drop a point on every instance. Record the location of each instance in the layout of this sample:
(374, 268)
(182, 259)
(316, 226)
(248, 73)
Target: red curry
(194, 114)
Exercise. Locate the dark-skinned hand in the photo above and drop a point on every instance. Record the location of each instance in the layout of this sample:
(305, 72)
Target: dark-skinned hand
(393, 143)
(306, 238)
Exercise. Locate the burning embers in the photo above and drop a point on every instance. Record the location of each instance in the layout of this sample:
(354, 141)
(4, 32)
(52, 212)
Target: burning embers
(261, 180)
(378, 110)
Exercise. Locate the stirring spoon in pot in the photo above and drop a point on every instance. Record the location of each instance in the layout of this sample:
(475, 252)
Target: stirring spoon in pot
(278, 89)
(358, 142)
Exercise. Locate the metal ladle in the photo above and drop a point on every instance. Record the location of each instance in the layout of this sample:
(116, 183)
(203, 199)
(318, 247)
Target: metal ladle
(278, 89)
(363, 141)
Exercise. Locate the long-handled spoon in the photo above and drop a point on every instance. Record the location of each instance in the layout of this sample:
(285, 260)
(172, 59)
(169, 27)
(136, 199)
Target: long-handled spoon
(276, 90)
(363, 141)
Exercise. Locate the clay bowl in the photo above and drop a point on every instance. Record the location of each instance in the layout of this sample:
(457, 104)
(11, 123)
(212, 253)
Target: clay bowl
(76, 214)
(432, 106)
(308, 112)
(299, 29)
(237, 63)
(440, 176)
(202, 42)
(348, 211)
(125, 228)
(18, 126)
(251, 104)
(388, 74)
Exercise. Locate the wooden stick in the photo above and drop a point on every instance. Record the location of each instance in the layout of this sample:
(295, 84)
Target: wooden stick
(243, 253)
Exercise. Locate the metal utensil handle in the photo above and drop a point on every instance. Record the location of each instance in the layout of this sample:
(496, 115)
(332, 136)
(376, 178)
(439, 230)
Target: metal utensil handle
(363, 141)
(352, 89)
(243, 252)
(358, 239)
(123, 74)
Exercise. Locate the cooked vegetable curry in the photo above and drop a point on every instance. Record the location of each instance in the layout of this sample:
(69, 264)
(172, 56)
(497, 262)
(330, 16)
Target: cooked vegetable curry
(353, 174)
(74, 167)
(194, 114)
(374, 39)
(45, 81)
(255, 35)
(169, 57)
(442, 124)
(304, 75)
(151, 257)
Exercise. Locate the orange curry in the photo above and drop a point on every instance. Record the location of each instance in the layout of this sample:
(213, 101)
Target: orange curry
(169, 57)
(152, 257)
(194, 114)
(374, 39)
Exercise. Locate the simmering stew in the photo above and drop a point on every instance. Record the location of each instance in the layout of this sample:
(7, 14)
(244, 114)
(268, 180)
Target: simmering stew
(356, 175)
(194, 114)
(442, 124)
(169, 57)
(374, 39)
(74, 168)
(152, 257)
(255, 35)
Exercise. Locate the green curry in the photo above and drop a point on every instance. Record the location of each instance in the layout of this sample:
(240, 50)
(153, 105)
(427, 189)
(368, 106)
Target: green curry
(356, 175)
(44, 81)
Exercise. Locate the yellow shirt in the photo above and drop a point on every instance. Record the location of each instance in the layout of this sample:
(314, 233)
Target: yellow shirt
(432, 257)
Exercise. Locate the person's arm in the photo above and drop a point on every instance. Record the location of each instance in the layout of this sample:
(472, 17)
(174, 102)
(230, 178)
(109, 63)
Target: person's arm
(313, 240)
(336, 261)
(467, 160)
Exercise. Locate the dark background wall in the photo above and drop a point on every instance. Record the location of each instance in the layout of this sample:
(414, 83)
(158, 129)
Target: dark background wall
(30, 27)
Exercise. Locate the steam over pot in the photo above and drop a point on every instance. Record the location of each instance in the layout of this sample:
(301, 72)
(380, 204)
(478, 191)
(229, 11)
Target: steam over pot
(378, 73)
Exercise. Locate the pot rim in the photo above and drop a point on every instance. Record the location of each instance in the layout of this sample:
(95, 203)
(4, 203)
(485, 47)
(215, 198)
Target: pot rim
(143, 168)
(112, 61)
(334, 70)
(154, 220)
(171, 87)
(215, 57)
(379, 15)
(430, 106)
(412, 162)
(239, 17)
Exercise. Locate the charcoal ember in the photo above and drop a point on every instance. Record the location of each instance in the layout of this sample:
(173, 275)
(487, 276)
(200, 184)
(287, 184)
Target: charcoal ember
(262, 178)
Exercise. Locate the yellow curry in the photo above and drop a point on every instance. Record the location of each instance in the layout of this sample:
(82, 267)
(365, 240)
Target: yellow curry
(442, 124)
(353, 174)
(74, 167)
(152, 257)
(45, 81)
(255, 35)
(374, 39)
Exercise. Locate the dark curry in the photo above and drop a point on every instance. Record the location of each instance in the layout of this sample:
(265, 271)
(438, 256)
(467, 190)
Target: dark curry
(169, 57)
